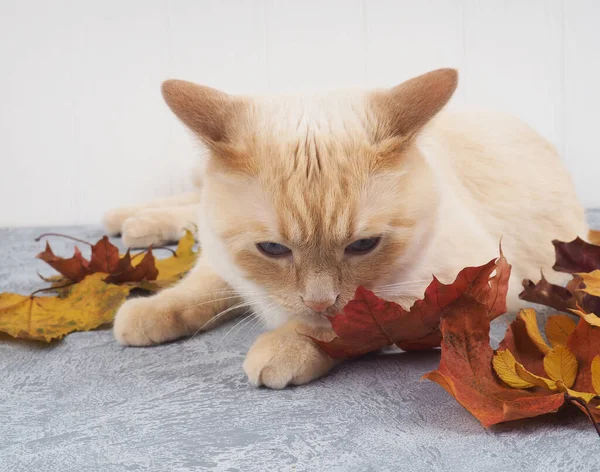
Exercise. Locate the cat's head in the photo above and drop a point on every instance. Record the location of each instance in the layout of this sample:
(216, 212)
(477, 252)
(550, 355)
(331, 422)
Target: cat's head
(305, 199)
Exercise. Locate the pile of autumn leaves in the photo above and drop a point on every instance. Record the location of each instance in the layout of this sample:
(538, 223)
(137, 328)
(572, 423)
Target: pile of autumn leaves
(89, 292)
(525, 376)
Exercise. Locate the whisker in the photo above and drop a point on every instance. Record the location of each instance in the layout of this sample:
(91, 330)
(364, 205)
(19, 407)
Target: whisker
(219, 315)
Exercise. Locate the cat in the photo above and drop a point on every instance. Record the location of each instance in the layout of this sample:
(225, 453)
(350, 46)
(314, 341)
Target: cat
(305, 198)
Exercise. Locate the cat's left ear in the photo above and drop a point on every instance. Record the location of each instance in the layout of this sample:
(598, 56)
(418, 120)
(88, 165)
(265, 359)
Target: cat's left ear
(209, 113)
(403, 110)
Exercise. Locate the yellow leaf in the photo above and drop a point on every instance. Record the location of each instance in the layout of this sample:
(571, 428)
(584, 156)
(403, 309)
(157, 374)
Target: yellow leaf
(504, 365)
(534, 379)
(83, 306)
(175, 267)
(596, 374)
(558, 329)
(592, 282)
(528, 316)
(561, 364)
(591, 318)
(587, 397)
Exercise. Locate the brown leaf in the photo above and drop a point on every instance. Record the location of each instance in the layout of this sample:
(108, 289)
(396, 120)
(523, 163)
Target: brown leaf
(105, 257)
(126, 272)
(576, 256)
(369, 323)
(545, 293)
(523, 348)
(466, 371)
(584, 342)
(74, 268)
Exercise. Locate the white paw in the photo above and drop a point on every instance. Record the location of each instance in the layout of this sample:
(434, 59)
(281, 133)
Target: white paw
(145, 322)
(113, 220)
(277, 360)
(143, 231)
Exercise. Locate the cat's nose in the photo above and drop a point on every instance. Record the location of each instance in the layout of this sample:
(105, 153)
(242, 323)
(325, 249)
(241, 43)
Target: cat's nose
(320, 306)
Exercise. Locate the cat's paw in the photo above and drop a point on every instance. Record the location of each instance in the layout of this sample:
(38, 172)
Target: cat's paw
(144, 322)
(277, 360)
(113, 220)
(143, 231)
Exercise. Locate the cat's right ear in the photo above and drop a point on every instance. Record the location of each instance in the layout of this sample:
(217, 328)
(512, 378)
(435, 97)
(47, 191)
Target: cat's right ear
(207, 112)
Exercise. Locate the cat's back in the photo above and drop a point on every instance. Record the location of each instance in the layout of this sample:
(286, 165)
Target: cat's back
(508, 178)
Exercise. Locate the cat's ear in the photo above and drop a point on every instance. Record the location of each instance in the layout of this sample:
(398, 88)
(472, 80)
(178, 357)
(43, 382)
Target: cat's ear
(207, 112)
(403, 110)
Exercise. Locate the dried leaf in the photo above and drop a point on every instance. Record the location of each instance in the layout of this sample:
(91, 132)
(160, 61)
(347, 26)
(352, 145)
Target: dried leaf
(590, 318)
(504, 365)
(523, 348)
(596, 374)
(584, 343)
(466, 373)
(558, 329)
(536, 380)
(531, 326)
(74, 268)
(126, 272)
(587, 397)
(545, 293)
(592, 282)
(175, 267)
(369, 323)
(576, 256)
(105, 257)
(87, 305)
(561, 364)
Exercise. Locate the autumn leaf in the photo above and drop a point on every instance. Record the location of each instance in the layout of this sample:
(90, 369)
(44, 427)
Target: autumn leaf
(561, 364)
(124, 271)
(584, 343)
(146, 273)
(545, 293)
(596, 374)
(368, 323)
(592, 282)
(505, 365)
(466, 371)
(84, 306)
(74, 268)
(517, 340)
(576, 256)
(558, 329)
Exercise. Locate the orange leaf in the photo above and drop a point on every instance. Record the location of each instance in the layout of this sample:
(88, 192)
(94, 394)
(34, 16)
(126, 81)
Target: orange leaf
(74, 268)
(369, 323)
(466, 371)
(584, 342)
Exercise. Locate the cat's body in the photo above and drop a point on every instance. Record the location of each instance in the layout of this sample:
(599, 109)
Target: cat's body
(304, 200)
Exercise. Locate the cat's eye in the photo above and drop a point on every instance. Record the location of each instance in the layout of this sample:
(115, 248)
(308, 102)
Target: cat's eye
(362, 246)
(274, 249)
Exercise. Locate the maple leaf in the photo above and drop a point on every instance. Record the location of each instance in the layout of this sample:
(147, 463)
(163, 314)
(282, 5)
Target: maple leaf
(524, 359)
(466, 371)
(368, 323)
(105, 258)
(74, 268)
(82, 306)
(576, 256)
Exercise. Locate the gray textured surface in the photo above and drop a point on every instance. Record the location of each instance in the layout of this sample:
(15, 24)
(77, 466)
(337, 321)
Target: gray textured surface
(86, 404)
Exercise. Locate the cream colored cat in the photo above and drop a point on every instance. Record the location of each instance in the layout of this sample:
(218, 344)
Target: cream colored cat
(304, 199)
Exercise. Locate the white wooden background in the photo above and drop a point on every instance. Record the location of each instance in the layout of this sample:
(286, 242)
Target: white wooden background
(83, 127)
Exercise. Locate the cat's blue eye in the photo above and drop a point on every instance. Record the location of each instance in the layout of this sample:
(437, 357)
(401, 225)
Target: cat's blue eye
(274, 249)
(362, 246)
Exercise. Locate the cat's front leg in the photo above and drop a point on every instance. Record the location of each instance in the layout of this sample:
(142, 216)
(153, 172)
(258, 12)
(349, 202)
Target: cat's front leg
(197, 303)
(288, 356)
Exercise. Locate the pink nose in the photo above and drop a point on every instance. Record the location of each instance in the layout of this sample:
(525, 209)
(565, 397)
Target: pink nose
(320, 306)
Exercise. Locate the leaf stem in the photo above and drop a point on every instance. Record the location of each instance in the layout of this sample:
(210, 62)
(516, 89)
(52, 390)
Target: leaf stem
(62, 236)
(585, 406)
